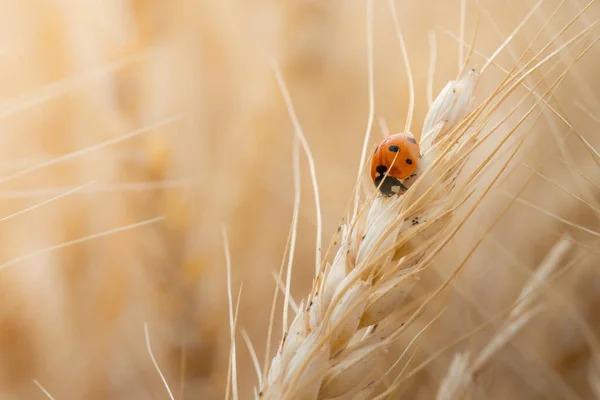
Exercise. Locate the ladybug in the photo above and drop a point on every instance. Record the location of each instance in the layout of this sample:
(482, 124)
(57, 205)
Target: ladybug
(395, 159)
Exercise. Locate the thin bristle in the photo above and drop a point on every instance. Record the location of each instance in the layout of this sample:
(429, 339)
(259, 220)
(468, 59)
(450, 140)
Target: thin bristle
(253, 355)
(313, 174)
(282, 287)
(509, 37)
(155, 363)
(371, 95)
(64, 194)
(463, 18)
(232, 369)
(431, 70)
(90, 149)
(43, 389)
(293, 232)
(84, 239)
(409, 75)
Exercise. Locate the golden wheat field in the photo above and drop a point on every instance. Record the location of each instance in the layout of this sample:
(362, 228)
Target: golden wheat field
(187, 211)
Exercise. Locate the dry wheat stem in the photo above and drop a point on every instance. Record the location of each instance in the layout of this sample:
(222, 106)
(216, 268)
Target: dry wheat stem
(411, 83)
(587, 112)
(545, 102)
(56, 89)
(43, 389)
(383, 127)
(288, 245)
(539, 100)
(232, 368)
(371, 88)
(562, 189)
(509, 38)
(513, 71)
(490, 60)
(521, 78)
(282, 288)
(471, 47)
(60, 196)
(463, 17)
(557, 35)
(252, 352)
(140, 186)
(512, 80)
(274, 304)
(294, 231)
(406, 365)
(83, 239)
(155, 363)
(412, 341)
(574, 169)
(89, 149)
(431, 69)
(313, 174)
(558, 218)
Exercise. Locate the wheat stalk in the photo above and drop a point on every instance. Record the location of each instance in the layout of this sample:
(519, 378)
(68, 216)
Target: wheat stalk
(347, 322)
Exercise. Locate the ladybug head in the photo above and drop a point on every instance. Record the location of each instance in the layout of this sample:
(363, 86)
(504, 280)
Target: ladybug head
(388, 185)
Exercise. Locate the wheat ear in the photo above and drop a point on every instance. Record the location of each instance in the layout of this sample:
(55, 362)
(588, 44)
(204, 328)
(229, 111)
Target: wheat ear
(323, 352)
(344, 326)
(461, 378)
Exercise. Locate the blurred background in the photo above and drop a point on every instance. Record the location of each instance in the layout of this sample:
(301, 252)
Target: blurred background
(117, 112)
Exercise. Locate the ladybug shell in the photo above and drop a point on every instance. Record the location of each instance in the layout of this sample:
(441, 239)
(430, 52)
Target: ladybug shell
(397, 155)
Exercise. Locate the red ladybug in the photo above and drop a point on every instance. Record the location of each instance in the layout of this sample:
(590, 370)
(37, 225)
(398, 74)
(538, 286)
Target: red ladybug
(395, 159)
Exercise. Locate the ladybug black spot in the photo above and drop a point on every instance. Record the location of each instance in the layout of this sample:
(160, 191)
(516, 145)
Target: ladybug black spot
(412, 140)
(408, 161)
(381, 169)
(394, 149)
